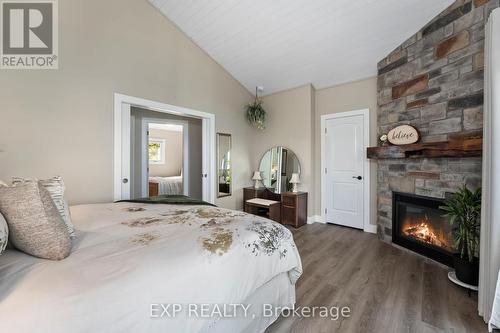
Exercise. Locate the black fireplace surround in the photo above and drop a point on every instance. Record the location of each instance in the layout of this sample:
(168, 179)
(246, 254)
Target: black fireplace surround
(418, 224)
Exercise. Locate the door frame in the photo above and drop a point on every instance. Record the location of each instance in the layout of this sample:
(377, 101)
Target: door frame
(145, 157)
(367, 227)
(121, 138)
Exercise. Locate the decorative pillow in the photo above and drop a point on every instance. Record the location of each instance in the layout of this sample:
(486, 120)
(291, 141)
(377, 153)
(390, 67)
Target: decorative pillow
(2, 183)
(4, 234)
(35, 225)
(56, 188)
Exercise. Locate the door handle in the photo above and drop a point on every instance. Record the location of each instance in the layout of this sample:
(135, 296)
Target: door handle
(358, 177)
(124, 180)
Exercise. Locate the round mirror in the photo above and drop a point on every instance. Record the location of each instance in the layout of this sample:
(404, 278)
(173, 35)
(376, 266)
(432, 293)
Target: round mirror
(276, 168)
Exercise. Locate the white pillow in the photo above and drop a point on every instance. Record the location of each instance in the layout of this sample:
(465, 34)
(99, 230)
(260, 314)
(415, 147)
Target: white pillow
(2, 183)
(55, 186)
(35, 225)
(4, 233)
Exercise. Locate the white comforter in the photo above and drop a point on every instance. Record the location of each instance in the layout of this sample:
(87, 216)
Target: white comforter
(168, 185)
(128, 256)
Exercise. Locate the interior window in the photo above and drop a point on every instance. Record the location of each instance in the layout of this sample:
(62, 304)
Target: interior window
(156, 151)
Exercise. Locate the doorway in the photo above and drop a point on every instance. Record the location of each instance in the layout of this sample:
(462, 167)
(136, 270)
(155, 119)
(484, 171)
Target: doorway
(124, 123)
(345, 174)
(165, 157)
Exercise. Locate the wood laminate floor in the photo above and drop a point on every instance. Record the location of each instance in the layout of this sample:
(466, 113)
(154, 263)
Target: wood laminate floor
(387, 289)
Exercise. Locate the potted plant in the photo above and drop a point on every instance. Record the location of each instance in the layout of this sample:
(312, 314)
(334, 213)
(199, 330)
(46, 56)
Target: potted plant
(256, 114)
(464, 210)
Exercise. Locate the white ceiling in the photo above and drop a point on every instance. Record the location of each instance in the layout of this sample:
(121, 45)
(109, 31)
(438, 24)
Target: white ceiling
(281, 44)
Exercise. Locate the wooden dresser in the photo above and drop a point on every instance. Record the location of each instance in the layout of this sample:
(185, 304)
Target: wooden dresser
(293, 205)
(294, 208)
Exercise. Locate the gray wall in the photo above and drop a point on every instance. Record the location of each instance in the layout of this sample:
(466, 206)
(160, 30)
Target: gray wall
(294, 121)
(124, 46)
(351, 96)
(289, 125)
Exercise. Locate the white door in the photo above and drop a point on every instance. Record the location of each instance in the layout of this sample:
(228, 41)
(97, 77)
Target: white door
(126, 174)
(344, 169)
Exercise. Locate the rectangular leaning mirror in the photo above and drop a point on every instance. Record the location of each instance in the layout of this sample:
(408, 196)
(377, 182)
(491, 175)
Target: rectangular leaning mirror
(224, 165)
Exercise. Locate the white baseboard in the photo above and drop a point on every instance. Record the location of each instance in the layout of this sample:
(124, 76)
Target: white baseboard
(319, 219)
(314, 219)
(372, 229)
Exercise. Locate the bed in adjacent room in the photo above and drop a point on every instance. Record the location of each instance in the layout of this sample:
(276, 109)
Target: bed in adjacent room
(165, 185)
(127, 257)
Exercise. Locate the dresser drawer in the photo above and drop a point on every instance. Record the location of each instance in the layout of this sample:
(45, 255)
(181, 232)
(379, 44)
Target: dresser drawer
(288, 215)
(288, 200)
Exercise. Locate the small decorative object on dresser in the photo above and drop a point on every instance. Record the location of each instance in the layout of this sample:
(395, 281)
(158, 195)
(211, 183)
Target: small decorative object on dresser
(257, 178)
(295, 180)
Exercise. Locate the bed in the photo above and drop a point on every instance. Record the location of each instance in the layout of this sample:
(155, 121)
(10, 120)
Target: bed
(165, 185)
(131, 257)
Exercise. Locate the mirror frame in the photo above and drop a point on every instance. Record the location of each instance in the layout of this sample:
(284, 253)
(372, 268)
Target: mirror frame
(264, 154)
(219, 195)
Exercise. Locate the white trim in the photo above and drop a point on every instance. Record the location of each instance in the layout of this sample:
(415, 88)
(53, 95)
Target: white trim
(209, 159)
(118, 173)
(315, 219)
(117, 150)
(208, 142)
(367, 227)
(185, 152)
(371, 228)
(490, 211)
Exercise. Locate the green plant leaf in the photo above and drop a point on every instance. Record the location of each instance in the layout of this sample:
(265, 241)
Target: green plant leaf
(256, 115)
(464, 210)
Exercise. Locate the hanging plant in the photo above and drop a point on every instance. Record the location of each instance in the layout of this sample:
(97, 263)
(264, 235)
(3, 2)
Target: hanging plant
(256, 114)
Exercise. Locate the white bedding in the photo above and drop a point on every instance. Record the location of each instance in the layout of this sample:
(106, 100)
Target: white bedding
(128, 256)
(168, 185)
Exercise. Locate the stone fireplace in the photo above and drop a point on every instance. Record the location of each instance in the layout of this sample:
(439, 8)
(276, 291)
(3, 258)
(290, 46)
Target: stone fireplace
(434, 82)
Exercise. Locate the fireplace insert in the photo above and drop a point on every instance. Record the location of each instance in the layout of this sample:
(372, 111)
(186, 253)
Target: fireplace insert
(418, 224)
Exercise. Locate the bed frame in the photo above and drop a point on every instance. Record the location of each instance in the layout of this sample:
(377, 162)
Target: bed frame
(153, 189)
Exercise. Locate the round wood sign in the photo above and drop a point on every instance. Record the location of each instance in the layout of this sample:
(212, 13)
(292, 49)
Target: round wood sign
(403, 135)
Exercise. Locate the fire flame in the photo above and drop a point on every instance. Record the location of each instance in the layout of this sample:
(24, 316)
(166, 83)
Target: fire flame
(424, 233)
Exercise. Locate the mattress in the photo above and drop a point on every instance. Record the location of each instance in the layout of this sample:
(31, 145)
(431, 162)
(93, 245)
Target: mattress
(168, 185)
(128, 257)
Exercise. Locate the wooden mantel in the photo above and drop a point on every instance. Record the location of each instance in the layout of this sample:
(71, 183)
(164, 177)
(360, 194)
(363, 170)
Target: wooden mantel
(464, 144)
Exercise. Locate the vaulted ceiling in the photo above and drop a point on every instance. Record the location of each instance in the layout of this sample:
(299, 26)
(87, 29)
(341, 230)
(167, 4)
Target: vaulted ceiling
(281, 44)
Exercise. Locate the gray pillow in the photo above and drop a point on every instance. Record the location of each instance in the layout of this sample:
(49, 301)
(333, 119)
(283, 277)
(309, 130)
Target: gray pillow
(4, 234)
(56, 188)
(35, 225)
